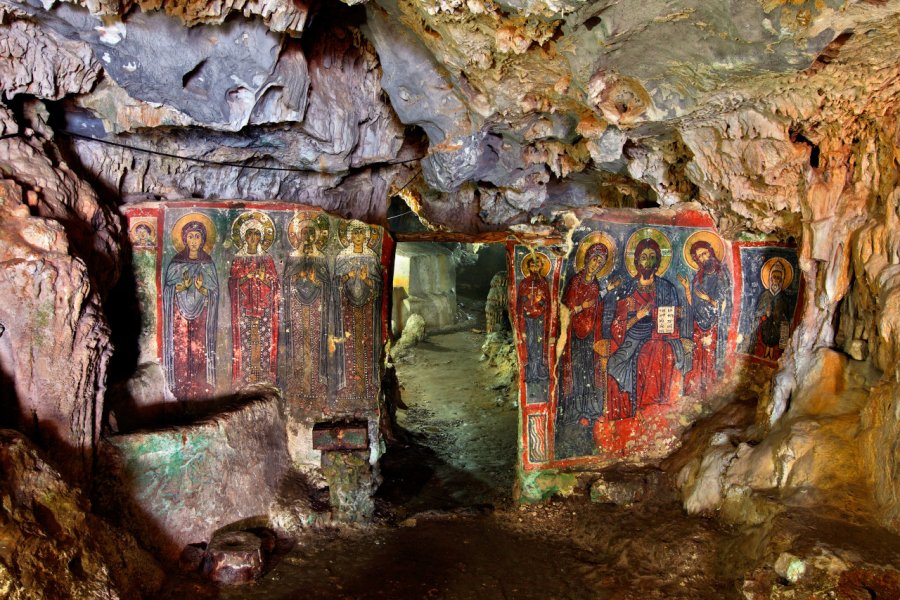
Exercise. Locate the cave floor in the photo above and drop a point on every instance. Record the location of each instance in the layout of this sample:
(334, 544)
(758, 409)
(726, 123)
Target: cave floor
(563, 549)
(446, 526)
(456, 445)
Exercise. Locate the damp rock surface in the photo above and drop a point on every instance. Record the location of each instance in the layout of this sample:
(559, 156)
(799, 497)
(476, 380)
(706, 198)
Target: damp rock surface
(456, 425)
(52, 546)
(194, 479)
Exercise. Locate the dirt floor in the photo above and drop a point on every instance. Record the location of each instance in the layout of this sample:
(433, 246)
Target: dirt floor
(457, 444)
(446, 526)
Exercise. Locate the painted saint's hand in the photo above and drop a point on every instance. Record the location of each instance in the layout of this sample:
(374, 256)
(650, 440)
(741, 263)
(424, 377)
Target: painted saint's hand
(613, 283)
(687, 344)
(643, 312)
(198, 280)
(684, 282)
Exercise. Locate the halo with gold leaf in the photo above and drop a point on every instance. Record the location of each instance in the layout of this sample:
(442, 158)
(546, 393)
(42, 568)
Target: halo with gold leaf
(665, 249)
(373, 234)
(136, 223)
(538, 256)
(319, 223)
(203, 220)
(592, 239)
(245, 221)
(702, 236)
(769, 265)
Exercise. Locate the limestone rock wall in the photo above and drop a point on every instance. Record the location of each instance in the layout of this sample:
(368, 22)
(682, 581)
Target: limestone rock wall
(241, 111)
(176, 486)
(53, 547)
(778, 118)
(60, 255)
(832, 416)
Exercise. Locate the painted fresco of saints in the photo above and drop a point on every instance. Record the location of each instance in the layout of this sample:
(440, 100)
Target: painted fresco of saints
(533, 315)
(190, 310)
(652, 337)
(307, 292)
(772, 315)
(142, 234)
(253, 288)
(709, 297)
(355, 317)
(583, 362)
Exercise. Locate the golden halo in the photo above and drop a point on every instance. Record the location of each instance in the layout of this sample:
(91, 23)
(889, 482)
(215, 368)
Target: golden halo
(373, 234)
(317, 221)
(665, 249)
(265, 221)
(767, 271)
(204, 220)
(592, 239)
(149, 222)
(545, 262)
(702, 236)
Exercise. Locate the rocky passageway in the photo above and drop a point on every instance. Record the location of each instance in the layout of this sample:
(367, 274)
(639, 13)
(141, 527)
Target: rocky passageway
(457, 444)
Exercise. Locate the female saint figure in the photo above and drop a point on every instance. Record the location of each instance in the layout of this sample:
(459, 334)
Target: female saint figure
(190, 310)
(584, 357)
(356, 327)
(307, 290)
(253, 288)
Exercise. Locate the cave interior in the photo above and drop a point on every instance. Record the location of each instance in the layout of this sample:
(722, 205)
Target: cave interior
(445, 299)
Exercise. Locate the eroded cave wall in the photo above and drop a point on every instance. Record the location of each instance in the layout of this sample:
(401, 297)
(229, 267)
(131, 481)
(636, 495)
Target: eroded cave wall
(273, 294)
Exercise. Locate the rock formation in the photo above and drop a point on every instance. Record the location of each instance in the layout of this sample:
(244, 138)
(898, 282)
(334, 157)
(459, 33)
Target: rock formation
(775, 121)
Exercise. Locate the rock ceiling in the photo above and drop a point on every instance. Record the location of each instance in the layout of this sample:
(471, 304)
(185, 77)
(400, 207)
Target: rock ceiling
(515, 109)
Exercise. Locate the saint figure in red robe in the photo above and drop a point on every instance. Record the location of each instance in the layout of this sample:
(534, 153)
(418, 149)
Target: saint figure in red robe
(254, 291)
(649, 354)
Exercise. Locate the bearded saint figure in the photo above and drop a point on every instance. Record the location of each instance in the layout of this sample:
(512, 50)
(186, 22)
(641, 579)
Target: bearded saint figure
(646, 365)
(772, 316)
(709, 297)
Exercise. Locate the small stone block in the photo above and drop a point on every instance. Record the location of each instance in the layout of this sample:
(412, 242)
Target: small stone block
(192, 557)
(234, 557)
(789, 567)
(341, 436)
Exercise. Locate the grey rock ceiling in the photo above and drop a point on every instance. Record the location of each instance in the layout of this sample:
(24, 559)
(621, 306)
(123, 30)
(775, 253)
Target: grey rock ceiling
(521, 108)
